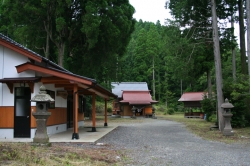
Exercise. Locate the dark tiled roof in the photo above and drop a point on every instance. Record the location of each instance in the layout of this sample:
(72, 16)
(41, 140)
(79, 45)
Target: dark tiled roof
(9, 40)
(52, 64)
(20, 79)
(17, 44)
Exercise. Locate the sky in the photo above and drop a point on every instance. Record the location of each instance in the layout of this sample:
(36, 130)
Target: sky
(153, 10)
(150, 10)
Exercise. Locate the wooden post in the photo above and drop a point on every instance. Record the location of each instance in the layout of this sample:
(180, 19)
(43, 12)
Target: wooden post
(75, 100)
(93, 114)
(105, 115)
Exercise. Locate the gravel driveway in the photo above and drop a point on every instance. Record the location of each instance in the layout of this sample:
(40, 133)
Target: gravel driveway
(161, 142)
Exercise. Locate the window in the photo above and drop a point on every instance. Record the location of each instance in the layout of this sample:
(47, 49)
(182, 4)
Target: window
(52, 95)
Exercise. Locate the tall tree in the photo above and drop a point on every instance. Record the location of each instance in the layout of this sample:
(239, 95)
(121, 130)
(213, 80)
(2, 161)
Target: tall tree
(98, 29)
(153, 43)
(242, 37)
(217, 59)
(248, 34)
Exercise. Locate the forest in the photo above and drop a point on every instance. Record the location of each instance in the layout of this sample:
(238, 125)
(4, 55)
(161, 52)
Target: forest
(102, 40)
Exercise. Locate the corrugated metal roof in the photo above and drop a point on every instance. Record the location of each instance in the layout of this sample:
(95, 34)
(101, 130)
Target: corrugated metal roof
(118, 87)
(137, 97)
(192, 96)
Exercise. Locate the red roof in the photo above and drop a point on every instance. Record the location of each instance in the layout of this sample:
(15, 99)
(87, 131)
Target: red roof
(137, 98)
(192, 96)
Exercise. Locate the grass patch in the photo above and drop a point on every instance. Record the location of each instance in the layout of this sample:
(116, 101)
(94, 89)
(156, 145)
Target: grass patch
(201, 128)
(57, 154)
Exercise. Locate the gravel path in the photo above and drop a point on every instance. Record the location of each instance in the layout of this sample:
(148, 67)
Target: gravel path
(162, 143)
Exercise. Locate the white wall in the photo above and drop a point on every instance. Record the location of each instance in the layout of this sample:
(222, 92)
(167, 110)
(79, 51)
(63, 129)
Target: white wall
(56, 129)
(8, 60)
(6, 133)
(12, 59)
(1, 62)
(59, 101)
(1, 75)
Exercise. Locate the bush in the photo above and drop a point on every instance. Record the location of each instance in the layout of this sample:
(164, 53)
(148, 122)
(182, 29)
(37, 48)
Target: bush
(170, 111)
(212, 118)
(99, 107)
(209, 107)
(109, 110)
(161, 108)
(237, 94)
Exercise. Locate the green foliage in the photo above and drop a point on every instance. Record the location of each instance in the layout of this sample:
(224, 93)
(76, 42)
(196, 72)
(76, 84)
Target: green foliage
(170, 111)
(209, 107)
(76, 34)
(99, 107)
(235, 92)
(109, 109)
(88, 111)
(212, 118)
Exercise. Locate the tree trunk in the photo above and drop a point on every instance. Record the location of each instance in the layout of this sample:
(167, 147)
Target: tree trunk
(158, 87)
(248, 34)
(153, 78)
(61, 48)
(217, 59)
(47, 46)
(209, 84)
(181, 87)
(233, 53)
(248, 40)
(242, 38)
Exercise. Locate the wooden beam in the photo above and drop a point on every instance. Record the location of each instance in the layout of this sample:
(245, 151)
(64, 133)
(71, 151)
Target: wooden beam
(64, 86)
(93, 113)
(91, 89)
(10, 86)
(75, 113)
(31, 85)
(52, 80)
(105, 114)
(57, 73)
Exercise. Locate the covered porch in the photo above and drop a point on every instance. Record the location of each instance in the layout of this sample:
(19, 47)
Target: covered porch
(85, 135)
(74, 85)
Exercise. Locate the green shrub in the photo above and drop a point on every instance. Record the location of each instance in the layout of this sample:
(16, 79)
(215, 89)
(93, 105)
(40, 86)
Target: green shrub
(109, 109)
(213, 118)
(161, 108)
(237, 94)
(170, 111)
(208, 106)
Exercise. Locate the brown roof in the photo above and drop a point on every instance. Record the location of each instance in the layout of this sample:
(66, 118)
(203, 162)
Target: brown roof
(192, 96)
(137, 98)
(83, 82)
